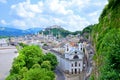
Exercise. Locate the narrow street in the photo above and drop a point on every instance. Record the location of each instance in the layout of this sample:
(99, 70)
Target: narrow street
(59, 74)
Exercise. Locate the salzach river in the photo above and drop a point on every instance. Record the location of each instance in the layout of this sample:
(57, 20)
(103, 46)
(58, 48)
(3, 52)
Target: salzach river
(7, 54)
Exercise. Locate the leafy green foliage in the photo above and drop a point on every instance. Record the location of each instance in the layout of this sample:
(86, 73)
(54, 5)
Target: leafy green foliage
(3, 37)
(111, 49)
(33, 55)
(12, 77)
(23, 45)
(87, 31)
(33, 64)
(106, 39)
(46, 65)
(60, 32)
(18, 64)
(36, 66)
(39, 74)
(57, 32)
(76, 32)
(52, 58)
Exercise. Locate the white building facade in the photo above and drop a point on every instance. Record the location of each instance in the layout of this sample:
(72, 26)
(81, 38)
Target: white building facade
(71, 62)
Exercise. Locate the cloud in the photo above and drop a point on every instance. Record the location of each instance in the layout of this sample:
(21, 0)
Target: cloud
(70, 14)
(19, 24)
(100, 3)
(3, 22)
(26, 10)
(93, 16)
(3, 1)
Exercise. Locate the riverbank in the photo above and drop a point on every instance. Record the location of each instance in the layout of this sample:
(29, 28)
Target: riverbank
(7, 54)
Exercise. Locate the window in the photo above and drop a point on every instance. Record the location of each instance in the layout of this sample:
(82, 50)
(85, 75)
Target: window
(83, 50)
(72, 71)
(75, 71)
(67, 48)
(72, 65)
(75, 52)
(75, 64)
(79, 71)
(76, 57)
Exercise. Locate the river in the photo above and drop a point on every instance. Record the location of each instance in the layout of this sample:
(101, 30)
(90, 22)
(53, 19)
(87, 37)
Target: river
(7, 54)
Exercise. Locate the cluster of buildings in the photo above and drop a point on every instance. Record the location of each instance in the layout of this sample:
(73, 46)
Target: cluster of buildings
(75, 58)
(74, 53)
(4, 42)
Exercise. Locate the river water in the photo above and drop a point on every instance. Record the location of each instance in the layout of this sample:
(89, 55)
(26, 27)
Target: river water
(7, 54)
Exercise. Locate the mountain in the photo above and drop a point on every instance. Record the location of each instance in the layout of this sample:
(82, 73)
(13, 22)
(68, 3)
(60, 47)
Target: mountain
(56, 31)
(6, 31)
(33, 30)
(106, 41)
(86, 31)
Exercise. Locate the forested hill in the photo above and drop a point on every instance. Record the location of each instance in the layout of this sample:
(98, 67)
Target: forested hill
(58, 31)
(106, 41)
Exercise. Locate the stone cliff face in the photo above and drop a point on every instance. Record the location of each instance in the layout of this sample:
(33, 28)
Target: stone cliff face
(106, 41)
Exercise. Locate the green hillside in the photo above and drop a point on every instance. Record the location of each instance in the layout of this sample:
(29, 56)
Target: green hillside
(59, 32)
(106, 41)
(3, 37)
(56, 31)
(86, 31)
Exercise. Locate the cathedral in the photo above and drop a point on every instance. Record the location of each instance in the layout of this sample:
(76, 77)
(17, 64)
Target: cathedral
(71, 61)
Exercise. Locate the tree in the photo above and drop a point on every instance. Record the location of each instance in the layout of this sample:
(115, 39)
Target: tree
(22, 72)
(23, 45)
(36, 66)
(109, 50)
(27, 65)
(33, 55)
(17, 64)
(46, 65)
(52, 58)
(39, 74)
(12, 77)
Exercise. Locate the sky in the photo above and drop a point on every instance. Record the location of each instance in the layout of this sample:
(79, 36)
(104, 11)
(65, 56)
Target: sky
(73, 15)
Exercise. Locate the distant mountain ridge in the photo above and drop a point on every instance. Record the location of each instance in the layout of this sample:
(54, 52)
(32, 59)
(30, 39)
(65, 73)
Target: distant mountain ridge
(6, 31)
(33, 30)
(55, 30)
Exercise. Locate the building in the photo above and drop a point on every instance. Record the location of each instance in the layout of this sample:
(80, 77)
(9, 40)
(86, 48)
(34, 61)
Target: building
(71, 61)
(3, 42)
